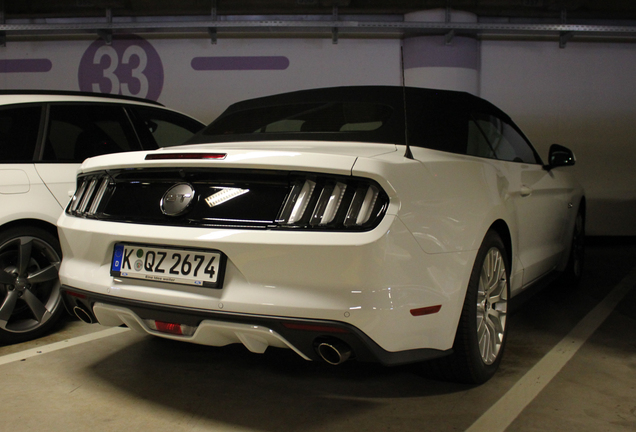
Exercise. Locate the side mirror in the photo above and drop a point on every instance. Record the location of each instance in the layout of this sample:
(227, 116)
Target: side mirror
(559, 156)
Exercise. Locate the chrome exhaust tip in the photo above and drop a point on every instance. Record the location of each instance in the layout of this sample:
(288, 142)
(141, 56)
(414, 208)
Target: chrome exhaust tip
(334, 351)
(83, 315)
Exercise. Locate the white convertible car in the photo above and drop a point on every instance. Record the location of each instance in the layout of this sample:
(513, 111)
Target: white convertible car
(379, 223)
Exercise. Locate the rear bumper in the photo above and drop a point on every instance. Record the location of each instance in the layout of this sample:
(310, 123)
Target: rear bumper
(256, 332)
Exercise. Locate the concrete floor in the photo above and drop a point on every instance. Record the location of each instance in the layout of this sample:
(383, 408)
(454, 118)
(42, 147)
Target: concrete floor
(131, 382)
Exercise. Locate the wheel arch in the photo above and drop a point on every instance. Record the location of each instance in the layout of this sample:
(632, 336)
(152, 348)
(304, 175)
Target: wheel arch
(583, 207)
(501, 228)
(52, 229)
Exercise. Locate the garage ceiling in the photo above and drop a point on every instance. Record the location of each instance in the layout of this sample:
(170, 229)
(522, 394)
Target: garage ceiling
(559, 19)
(534, 9)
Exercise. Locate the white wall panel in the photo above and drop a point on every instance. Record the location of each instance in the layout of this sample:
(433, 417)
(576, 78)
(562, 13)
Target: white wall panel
(205, 94)
(583, 97)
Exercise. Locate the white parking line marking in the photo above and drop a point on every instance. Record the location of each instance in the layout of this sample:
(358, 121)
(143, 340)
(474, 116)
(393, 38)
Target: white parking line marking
(508, 408)
(22, 355)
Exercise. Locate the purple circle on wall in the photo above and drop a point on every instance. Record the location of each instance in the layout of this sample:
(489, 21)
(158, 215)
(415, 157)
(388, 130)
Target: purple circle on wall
(129, 66)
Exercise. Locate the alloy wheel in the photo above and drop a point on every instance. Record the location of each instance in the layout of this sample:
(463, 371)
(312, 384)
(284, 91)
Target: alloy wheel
(492, 306)
(29, 284)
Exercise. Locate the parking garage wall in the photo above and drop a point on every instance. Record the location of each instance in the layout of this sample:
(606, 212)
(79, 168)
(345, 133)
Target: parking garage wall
(581, 96)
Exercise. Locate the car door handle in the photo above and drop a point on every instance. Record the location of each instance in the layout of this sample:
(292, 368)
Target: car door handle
(525, 191)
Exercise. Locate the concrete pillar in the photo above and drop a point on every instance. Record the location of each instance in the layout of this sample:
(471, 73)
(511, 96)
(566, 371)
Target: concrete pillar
(430, 62)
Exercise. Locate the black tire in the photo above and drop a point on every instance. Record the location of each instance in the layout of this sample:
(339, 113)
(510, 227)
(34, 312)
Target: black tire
(573, 272)
(479, 343)
(30, 297)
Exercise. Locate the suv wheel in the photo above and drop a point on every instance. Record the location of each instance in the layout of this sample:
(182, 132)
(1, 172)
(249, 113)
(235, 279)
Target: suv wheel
(30, 298)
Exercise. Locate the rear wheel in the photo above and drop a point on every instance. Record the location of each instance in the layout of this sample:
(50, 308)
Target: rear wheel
(482, 329)
(30, 298)
(574, 268)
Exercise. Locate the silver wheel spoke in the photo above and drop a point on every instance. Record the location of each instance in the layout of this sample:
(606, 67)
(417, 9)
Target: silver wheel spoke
(484, 341)
(7, 307)
(492, 301)
(497, 321)
(481, 329)
(37, 307)
(498, 291)
(7, 278)
(493, 340)
(24, 258)
(44, 275)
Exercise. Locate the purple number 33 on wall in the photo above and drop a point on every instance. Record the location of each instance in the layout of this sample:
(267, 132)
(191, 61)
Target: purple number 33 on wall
(129, 66)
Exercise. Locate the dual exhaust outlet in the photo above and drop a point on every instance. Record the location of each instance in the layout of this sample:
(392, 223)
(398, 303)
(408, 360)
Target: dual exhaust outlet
(83, 315)
(333, 351)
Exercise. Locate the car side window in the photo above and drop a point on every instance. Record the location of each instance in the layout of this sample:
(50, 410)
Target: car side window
(437, 125)
(165, 128)
(478, 142)
(493, 138)
(19, 127)
(80, 131)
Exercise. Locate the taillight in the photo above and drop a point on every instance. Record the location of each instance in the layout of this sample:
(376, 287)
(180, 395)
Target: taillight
(280, 201)
(88, 195)
(317, 202)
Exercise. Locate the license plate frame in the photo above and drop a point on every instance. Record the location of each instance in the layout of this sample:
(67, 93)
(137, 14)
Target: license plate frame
(169, 264)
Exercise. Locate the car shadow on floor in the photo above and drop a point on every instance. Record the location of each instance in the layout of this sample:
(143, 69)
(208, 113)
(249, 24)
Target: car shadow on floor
(278, 390)
(274, 391)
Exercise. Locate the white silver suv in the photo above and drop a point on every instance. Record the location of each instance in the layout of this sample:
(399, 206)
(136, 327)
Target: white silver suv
(44, 136)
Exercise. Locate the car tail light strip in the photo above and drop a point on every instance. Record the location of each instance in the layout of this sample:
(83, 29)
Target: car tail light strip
(297, 201)
(328, 204)
(88, 195)
(336, 202)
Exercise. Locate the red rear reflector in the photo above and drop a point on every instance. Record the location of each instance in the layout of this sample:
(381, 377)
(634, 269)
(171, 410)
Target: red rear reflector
(315, 328)
(171, 328)
(74, 294)
(426, 310)
(178, 156)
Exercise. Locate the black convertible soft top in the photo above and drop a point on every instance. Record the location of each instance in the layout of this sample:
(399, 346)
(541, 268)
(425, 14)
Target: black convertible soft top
(435, 119)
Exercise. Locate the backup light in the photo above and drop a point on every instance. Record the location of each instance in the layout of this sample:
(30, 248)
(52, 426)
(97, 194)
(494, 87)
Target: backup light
(224, 195)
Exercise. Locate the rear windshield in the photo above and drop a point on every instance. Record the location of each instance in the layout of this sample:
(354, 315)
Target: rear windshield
(341, 118)
(435, 119)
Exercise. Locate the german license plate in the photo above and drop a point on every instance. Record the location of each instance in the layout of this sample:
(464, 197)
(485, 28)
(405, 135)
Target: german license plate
(202, 268)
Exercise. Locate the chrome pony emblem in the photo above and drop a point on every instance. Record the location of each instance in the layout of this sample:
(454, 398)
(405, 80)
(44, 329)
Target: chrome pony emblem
(177, 199)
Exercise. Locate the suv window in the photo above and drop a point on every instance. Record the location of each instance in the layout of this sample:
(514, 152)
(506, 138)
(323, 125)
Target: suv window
(80, 131)
(165, 128)
(491, 137)
(19, 127)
